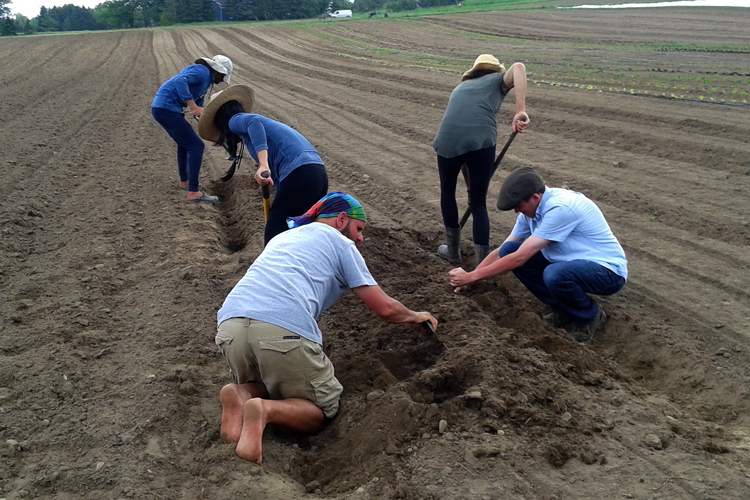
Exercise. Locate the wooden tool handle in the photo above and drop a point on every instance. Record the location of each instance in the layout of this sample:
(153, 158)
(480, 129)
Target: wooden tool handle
(266, 190)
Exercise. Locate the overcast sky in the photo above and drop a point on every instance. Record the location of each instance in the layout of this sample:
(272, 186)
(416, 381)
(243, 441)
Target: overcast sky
(30, 8)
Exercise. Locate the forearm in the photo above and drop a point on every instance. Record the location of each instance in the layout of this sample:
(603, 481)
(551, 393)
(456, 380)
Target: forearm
(520, 85)
(263, 159)
(395, 312)
(496, 268)
(388, 308)
(490, 259)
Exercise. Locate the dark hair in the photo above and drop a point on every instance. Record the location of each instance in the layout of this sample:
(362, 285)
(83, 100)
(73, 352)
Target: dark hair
(218, 77)
(480, 73)
(519, 186)
(227, 138)
(539, 190)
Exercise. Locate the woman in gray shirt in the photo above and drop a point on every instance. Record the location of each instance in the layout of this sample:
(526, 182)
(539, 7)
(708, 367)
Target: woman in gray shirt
(468, 135)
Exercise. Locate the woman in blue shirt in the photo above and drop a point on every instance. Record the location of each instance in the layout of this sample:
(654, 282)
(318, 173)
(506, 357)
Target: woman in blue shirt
(296, 169)
(188, 88)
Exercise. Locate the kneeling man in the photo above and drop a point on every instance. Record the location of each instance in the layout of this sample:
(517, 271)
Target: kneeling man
(268, 329)
(561, 249)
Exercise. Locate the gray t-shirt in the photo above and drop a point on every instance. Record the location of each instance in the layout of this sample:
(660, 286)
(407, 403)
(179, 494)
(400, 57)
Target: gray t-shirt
(300, 274)
(469, 123)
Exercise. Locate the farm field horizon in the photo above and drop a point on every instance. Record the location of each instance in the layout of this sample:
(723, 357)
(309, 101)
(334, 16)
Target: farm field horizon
(110, 282)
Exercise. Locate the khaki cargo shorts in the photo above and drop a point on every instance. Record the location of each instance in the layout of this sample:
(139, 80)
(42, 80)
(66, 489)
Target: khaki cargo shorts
(289, 365)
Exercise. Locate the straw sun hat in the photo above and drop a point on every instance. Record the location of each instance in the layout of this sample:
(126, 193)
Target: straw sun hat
(484, 61)
(240, 93)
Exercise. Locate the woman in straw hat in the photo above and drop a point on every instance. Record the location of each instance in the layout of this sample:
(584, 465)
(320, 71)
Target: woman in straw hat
(295, 167)
(468, 135)
(188, 88)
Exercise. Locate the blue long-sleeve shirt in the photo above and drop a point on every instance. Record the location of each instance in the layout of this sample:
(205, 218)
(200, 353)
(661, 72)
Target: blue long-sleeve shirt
(287, 148)
(189, 84)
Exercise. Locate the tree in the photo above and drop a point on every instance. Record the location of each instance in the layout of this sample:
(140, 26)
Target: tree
(340, 5)
(115, 14)
(240, 10)
(436, 3)
(47, 22)
(21, 21)
(8, 27)
(67, 18)
(139, 20)
(400, 5)
(194, 11)
(368, 5)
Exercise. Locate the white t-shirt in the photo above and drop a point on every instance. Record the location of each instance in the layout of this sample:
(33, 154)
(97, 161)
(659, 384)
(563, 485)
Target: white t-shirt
(300, 274)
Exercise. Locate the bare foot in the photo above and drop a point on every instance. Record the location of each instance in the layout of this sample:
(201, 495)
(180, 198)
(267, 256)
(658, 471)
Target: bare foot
(194, 194)
(251, 441)
(183, 184)
(232, 398)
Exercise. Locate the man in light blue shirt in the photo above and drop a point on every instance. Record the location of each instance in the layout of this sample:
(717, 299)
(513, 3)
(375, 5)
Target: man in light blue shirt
(561, 249)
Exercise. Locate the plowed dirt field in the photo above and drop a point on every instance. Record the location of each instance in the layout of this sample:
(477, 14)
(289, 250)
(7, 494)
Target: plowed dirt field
(110, 281)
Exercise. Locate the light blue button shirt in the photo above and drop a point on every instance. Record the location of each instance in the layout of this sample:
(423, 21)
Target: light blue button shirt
(576, 230)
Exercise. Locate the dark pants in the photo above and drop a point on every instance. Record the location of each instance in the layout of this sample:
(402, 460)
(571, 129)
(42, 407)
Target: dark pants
(189, 146)
(564, 285)
(479, 164)
(299, 191)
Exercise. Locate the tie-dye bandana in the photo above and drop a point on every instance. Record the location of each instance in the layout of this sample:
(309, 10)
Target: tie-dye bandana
(330, 206)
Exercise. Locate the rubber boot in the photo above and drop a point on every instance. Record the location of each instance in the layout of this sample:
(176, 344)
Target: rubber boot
(480, 253)
(452, 251)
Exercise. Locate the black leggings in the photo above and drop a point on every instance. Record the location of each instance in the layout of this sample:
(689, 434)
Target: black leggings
(299, 191)
(479, 164)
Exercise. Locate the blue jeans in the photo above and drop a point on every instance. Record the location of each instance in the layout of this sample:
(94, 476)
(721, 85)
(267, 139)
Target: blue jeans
(564, 285)
(189, 146)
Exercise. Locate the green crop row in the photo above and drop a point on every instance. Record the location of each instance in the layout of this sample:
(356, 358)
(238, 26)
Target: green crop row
(644, 93)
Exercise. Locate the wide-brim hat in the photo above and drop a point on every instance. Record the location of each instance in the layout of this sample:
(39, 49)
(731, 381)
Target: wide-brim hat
(240, 93)
(221, 64)
(519, 186)
(484, 61)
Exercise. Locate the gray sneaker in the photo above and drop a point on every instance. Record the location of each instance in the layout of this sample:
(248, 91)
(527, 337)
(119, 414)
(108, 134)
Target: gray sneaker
(205, 198)
(585, 334)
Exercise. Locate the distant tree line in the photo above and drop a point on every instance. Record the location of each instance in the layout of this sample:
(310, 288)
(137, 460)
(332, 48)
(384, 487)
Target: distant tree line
(116, 14)
(263, 10)
(361, 6)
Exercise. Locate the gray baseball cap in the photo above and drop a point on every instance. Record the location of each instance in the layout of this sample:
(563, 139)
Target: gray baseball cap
(519, 186)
